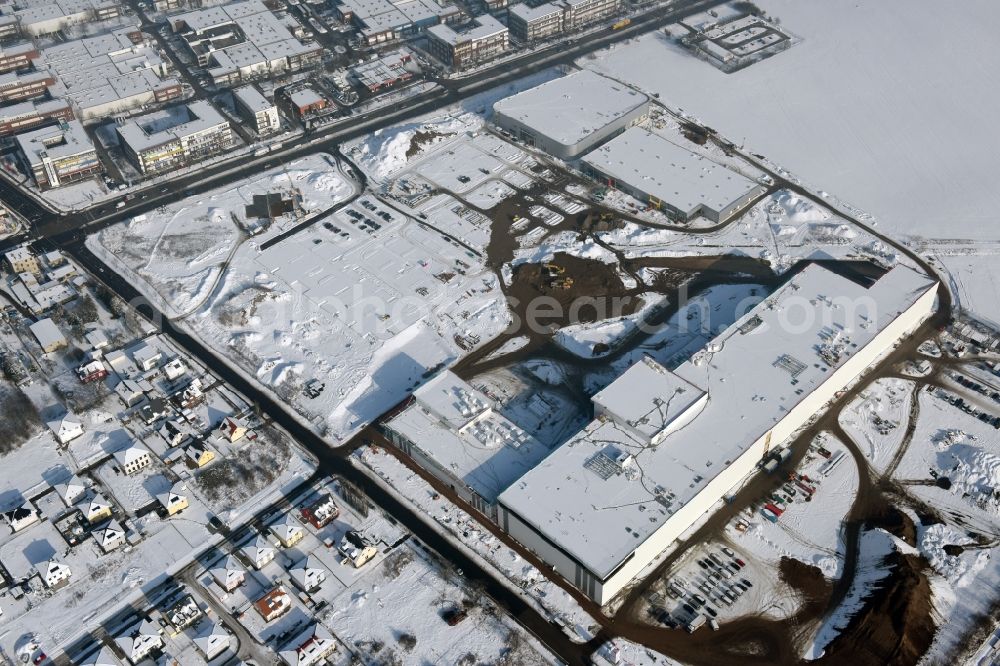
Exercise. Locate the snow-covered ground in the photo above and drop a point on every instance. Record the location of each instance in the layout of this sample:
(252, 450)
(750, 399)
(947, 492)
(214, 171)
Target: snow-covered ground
(909, 140)
(877, 419)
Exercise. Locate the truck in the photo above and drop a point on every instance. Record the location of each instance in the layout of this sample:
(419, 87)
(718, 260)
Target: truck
(624, 23)
(770, 466)
(770, 515)
(695, 623)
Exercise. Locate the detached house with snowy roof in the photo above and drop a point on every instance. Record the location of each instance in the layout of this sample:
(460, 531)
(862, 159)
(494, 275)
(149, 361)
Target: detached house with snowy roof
(96, 509)
(54, 573)
(71, 491)
(21, 516)
(310, 647)
(139, 643)
(232, 429)
(308, 574)
(228, 574)
(133, 459)
(212, 641)
(174, 500)
(110, 537)
(102, 657)
(259, 553)
(287, 530)
(66, 429)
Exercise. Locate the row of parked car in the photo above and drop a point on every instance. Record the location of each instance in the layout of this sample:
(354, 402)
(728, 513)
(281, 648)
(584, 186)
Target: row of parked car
(719, 582)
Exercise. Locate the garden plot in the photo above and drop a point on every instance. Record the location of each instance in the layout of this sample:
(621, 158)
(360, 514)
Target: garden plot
(181, 249)
(877, 419)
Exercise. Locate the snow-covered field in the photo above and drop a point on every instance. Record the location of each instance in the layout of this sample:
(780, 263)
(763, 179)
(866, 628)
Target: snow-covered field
(882, 103)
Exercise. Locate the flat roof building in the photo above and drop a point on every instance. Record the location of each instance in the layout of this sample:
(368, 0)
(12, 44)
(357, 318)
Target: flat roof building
(381, 21)
(259, 112)
(25, 116)
(570, 115)
(385, 71)
(175, 137)
(531, 24)
(455, 433)
(670, 177)
(59, 155)
(665, 446)
(48, 335)
(483, 42)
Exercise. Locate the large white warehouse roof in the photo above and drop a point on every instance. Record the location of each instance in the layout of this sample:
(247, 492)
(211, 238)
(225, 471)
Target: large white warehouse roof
(569, 109)
(685, 180)
(602, 494)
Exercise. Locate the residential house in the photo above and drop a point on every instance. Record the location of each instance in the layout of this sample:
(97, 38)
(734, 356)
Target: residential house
(154, 410)
(66, 429)
(129, 392)
(308, 574)
(183, 614)
(274, 604)
(21, 516)
(228, 574)
(138, 644)
(97, 340)
(232, 429)
(321, 512)
(110, 536)
(198, 454)
(260, 552)
(21, 260)
(133, 459)
(102, 657)
(174, 432)
(54, 573)
(48, 335)
(145, 356)
(174, 500)
(212, 641)
(174, 369)
(357, 547)
(71, 491)
(310, 647)
(96, 509)
(287, 530)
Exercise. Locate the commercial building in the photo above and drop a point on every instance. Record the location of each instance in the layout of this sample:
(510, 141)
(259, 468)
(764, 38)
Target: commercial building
(242, 41)
(455, 433)
(175, 137)
(306, 101)
(385, 71)
(579, 13)
(665, 447)
(669, 177)
(22, 260)
(568, 116)
(531, 24)
(17, 57)
(24, 116)
(111, 74)
(483, 42)
(16, 87)
(59, 155)
(380, 21)
(47, 17)
(260, 113)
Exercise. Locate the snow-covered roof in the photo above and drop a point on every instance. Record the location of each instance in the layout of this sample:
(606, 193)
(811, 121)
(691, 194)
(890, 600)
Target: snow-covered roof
(649, 399)
(260, 549)
(102, 657)
(656, 166)
(71, 490)
(486, 26)
(456, 426)
(528, 13)
(573, 107)
(131, 454)
(109, 533)
(252, 98)
(47, 333)
(600, 510)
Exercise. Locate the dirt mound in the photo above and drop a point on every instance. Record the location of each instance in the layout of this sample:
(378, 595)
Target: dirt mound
(807, 580)
(895, 626)
(898, 524)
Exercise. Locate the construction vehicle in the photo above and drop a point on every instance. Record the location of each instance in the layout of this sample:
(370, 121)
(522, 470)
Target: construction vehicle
(618, 25)
(554, 269)
(562, 283)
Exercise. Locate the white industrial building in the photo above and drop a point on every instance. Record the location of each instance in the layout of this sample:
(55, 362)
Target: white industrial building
(670, 177)
(455, 433)
(570, 115)
(665, 447)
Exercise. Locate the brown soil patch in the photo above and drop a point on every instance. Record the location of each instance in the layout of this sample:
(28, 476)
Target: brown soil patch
(895, 626)
(807, 580)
